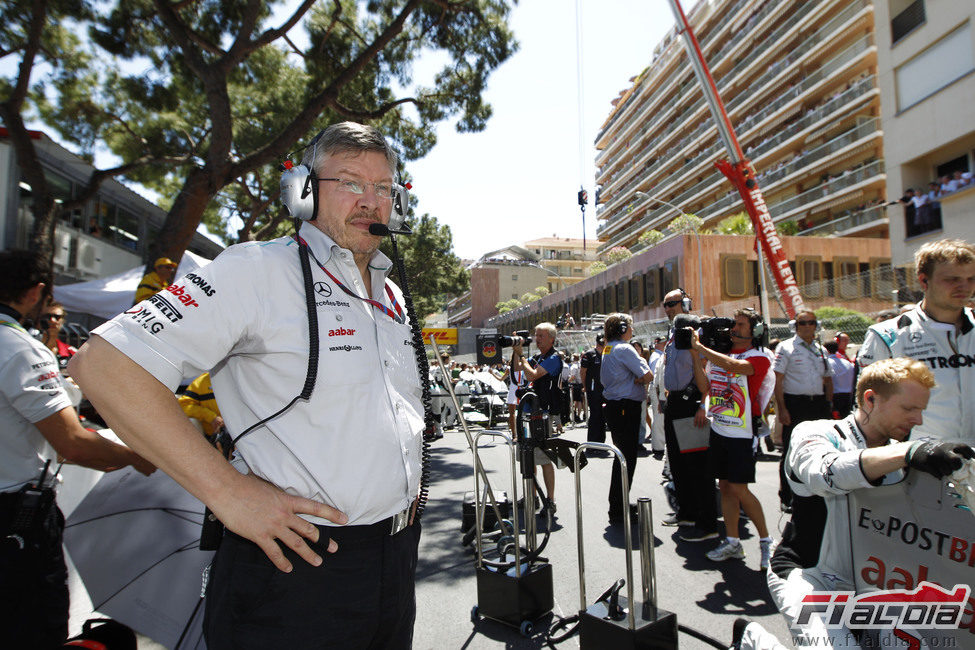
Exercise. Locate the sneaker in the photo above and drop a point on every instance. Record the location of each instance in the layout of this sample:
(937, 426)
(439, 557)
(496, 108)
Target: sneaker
(695, 534)
(672, 520)
(551, 505)
(768, 547)
(726, 551)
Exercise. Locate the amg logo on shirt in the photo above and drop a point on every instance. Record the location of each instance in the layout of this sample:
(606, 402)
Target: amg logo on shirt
(341, 332)
(166, 307)
(48, 375)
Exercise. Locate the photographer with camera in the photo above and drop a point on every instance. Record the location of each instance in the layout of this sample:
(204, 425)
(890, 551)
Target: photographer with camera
(739, 387)
(683, 408)
(625, 376)
(543, 371)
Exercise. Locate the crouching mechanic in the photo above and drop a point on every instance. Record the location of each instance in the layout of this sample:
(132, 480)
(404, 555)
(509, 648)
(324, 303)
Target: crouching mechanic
(832, 458)
(318, 551)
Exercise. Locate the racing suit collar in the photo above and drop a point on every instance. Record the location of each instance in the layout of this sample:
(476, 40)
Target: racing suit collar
(967, 318)
(323, 247)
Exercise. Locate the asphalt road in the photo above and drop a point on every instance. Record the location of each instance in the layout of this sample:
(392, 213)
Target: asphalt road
(705, 595)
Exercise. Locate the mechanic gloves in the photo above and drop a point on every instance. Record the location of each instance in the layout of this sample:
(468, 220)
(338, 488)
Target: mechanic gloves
(938, 458)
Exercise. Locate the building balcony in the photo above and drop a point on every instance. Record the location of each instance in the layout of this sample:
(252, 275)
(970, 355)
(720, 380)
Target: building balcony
(813, 120)
(845, 225)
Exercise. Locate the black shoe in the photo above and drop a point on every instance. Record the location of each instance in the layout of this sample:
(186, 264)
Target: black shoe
(737, 632)
(658, 455)
(695, 534)
(787, 509)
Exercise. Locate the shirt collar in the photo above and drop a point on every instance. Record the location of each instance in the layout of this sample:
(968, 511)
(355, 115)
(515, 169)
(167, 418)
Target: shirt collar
(323, 247)
(9, 313)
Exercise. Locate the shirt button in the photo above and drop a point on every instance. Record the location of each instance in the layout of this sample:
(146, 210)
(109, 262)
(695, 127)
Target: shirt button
(386, 363)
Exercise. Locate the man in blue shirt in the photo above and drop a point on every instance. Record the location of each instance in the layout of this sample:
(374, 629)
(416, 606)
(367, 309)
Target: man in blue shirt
(625, 375)
(543, 371)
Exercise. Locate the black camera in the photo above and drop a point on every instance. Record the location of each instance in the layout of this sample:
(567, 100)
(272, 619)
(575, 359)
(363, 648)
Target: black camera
(715, 333)
(521, 336)
(489, 345)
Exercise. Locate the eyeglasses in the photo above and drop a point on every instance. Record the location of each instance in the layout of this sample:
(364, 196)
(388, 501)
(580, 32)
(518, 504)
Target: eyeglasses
(382, 190)
(671, 303)
(805, 322)
(52, 317)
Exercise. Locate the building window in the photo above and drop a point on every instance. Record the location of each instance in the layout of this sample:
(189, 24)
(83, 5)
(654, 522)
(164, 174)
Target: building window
(609, 302)
(810, 276)
(734, 276)
(882, 278)
(669, 276)
(949, 59)
(635, 302)
(846, 272)
(906, 16)
(650, 285)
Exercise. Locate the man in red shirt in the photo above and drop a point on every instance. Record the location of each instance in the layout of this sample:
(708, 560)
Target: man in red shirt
(739, 388)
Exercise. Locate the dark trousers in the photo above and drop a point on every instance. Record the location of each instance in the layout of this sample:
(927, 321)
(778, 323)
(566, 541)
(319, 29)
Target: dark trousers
(362, 596)
(623, 417)
(693, 481)
(843, 403)
(597, 424)
(801, 409)
(33, 583)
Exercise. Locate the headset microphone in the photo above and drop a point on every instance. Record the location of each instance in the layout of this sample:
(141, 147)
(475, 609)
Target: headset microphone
(381, 229)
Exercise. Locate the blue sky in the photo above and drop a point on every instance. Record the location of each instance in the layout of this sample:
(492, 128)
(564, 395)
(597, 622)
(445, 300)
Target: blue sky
(517, 180)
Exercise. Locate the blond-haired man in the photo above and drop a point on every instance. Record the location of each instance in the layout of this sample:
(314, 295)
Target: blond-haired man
(940, 332)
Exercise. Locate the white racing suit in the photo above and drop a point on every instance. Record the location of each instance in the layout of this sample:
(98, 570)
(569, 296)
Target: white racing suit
(825, 457)
(949, 355)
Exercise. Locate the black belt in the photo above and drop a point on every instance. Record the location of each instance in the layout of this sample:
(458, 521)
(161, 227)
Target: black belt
(809, 398)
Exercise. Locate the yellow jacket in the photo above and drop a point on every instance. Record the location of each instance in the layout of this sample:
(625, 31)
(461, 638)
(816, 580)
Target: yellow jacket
(198, 400)
(150, 285)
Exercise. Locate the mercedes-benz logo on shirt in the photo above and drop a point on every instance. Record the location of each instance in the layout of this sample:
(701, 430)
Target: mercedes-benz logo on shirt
(323, 289)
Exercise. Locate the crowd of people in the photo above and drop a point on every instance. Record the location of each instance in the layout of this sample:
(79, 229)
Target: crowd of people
(302, 497)
(922, 207)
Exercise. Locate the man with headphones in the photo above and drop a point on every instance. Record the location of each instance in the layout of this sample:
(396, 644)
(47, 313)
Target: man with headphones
(939, 331)
(803, 388)
(739, 388)
(317, 503)
(832, 458)
(696, 511)
(625, 376)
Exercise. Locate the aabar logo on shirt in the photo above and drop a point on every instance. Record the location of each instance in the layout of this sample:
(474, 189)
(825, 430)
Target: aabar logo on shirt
(341, 332)
(182, 295)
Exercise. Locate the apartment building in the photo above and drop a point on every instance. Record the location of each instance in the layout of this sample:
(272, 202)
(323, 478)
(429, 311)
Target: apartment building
(926, 61)
(109, 235)
(496, 277)
(799, 81)
(567, 259)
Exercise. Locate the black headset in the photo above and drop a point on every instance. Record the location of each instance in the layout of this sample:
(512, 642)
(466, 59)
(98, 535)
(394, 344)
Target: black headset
(299, 193)
(685, 302)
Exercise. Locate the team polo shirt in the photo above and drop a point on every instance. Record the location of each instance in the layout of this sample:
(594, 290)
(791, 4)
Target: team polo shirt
(31, 389)
(355, 444)
(621, 365)
(803, 366)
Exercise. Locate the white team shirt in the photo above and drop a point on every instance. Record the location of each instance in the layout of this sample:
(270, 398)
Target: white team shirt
(803, 366)
(355, 444)
(825, 456)
(949, 355)
(31, 389)
(843, 371)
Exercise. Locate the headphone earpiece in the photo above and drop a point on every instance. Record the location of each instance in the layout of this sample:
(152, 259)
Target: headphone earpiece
(401, 205)
(297, 193)
(685, 303)
(624, 327)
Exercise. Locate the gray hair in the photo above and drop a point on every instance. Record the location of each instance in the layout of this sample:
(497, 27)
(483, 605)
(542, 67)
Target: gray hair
(347, 137)
(548, 328)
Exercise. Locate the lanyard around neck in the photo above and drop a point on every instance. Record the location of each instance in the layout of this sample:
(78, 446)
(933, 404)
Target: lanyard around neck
(396, 316)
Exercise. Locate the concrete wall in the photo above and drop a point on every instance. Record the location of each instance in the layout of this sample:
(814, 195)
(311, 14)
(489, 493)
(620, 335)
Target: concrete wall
(933, 131)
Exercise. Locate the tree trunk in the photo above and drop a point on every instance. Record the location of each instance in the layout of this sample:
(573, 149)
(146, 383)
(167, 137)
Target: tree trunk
(183, 218)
